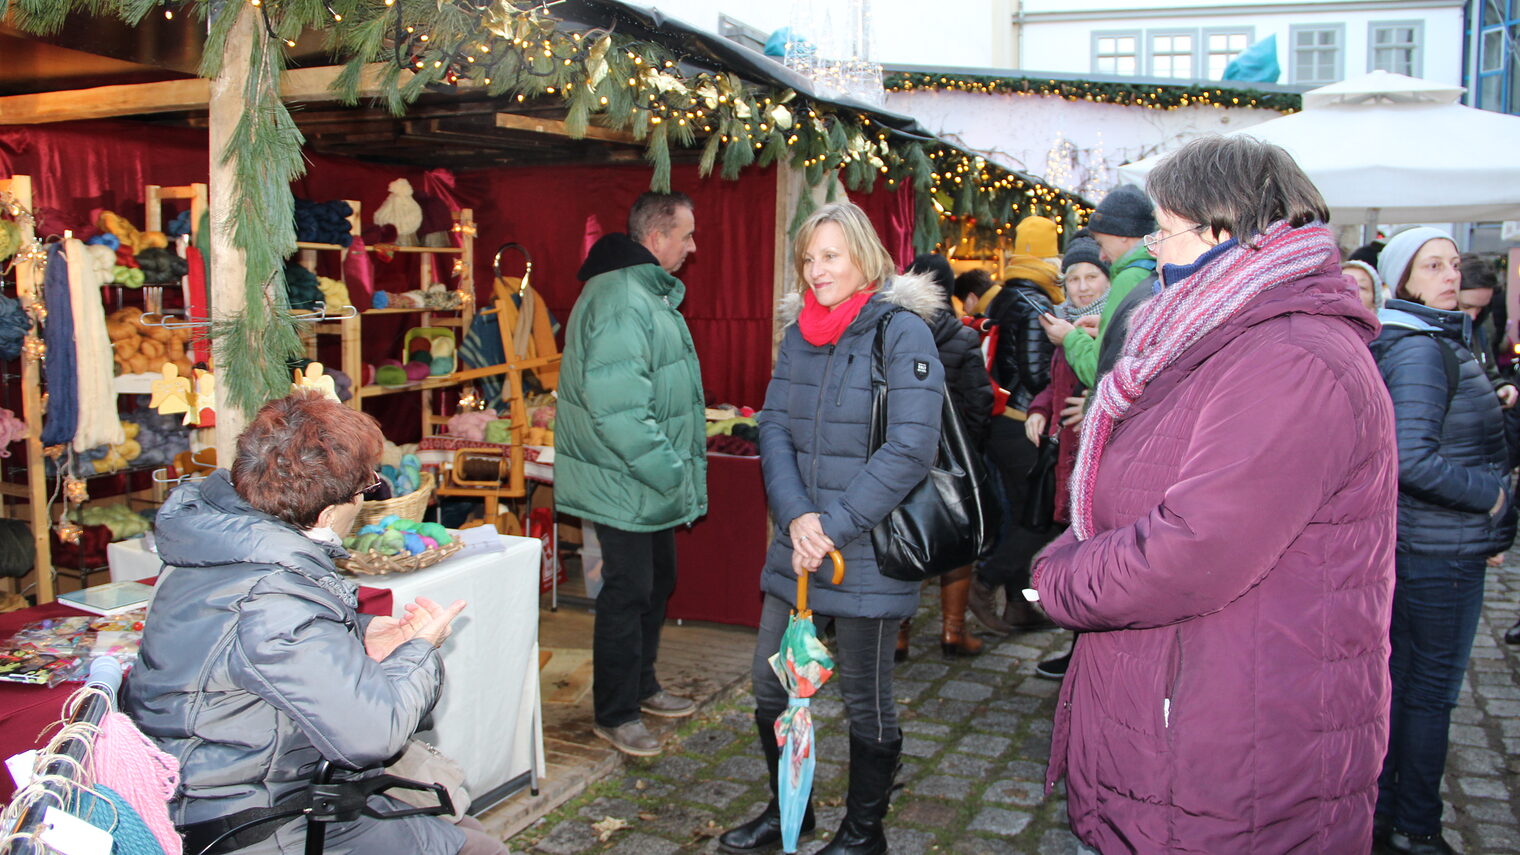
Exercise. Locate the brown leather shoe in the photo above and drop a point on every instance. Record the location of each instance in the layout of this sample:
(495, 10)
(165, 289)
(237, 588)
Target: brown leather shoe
(666, 705)
(982, 602)
(631, 738)
(955, 639)
(901, 653)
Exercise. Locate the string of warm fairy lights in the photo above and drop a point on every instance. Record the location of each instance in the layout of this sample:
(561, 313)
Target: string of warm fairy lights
(518, 52)
(1152, 95)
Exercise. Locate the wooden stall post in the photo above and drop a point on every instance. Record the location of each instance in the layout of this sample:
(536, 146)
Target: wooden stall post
(228, 267)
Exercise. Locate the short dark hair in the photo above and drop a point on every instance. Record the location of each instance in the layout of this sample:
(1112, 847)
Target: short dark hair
(1478, 273)
(655, 212)
(303, 453)
(1236, 184)
(974, 281)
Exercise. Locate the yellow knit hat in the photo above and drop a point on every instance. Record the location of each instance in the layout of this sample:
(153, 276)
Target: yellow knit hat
(1036, 270)
(1036, 236)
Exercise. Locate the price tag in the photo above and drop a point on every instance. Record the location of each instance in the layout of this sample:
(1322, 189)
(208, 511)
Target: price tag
(65, 833)
(20, 766)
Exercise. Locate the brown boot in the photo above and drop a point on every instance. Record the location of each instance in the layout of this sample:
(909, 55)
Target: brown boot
(901, 653)
(1023, 615)
(954, 590)
(982, 601)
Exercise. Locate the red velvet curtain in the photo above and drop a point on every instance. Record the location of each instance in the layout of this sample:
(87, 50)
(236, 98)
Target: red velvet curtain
(891, 212)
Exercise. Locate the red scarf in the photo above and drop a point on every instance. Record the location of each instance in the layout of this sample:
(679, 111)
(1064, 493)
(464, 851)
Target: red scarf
(820, 325)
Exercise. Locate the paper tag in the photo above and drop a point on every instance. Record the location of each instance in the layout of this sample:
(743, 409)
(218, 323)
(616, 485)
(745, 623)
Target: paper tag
(1031, 595)
(63, 832)
(20, 767)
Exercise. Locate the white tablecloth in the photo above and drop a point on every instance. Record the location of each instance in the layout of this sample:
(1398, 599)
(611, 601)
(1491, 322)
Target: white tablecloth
(488, 718)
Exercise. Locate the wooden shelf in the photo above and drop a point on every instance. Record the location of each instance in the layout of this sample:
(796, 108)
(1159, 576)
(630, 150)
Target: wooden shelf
(406, 310)
(439, 250)
(373, 390)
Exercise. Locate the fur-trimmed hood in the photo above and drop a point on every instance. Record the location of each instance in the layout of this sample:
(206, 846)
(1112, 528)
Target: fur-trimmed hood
(916, 292)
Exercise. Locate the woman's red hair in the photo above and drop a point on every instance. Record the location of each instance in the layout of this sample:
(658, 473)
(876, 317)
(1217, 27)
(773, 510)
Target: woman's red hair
(302, 453)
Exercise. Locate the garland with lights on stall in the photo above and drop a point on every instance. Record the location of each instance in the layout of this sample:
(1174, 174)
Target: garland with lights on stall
(1155, 96)
(517, 51)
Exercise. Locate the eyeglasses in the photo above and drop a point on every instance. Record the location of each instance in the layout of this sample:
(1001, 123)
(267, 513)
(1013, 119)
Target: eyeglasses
(372, 491)
(1155, 237)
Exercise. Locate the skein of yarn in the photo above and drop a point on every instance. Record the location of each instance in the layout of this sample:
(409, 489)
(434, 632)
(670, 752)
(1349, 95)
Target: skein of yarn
(301, 287)
(324, 222)
(161, 267)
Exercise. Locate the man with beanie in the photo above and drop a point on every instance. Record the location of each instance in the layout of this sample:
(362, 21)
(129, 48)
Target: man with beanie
(1121, 221)
(630, 446)
(1022, 366)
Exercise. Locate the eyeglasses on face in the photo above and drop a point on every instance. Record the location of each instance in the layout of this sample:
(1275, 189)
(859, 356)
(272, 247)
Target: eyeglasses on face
(1156, 237)
(373, 491)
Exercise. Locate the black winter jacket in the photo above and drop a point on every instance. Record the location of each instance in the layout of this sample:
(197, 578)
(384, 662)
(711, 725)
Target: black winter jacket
(1022, 361)
(1452, 456)
(965, 373)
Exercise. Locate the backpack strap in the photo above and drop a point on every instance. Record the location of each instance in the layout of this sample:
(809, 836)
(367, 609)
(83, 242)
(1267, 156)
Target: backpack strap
(1453, 370)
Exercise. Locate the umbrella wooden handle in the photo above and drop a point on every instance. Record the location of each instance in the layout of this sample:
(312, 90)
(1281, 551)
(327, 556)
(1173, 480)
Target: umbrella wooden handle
(802, 581)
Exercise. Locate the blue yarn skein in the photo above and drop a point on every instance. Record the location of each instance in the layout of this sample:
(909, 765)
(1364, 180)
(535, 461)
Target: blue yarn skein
(324, 222)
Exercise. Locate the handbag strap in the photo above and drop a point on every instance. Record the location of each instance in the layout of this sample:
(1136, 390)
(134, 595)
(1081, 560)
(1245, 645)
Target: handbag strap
(878, 434)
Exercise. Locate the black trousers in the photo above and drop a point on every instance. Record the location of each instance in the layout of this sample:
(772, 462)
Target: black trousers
(638, 576)
(1013, 454)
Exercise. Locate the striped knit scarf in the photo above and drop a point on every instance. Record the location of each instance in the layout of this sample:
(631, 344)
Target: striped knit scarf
(1069, 313)
(1171, 322)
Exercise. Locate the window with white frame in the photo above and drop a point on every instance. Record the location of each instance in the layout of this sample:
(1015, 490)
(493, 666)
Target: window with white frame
(1116, 52)
(1222, 46)
(1318, 53)
(1395, 46)
(1173, 54)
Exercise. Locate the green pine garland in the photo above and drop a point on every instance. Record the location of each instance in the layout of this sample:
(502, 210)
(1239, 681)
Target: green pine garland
(1161, 96)
(514, 51)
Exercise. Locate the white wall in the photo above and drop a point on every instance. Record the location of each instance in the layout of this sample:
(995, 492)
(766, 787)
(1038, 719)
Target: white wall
(1066, 45)
(1019, 131)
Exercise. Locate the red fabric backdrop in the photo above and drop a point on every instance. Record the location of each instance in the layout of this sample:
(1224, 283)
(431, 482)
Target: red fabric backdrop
(891, 211)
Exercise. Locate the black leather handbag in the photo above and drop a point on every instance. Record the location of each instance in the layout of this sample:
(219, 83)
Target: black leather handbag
(1039, 512)
(950, 519)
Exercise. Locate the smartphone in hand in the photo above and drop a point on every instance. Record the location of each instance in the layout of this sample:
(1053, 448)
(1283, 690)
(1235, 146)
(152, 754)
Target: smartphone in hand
(1036, 306)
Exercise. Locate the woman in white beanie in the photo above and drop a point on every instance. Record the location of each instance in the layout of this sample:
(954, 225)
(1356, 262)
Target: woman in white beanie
(1368, 283)
(1454, 512)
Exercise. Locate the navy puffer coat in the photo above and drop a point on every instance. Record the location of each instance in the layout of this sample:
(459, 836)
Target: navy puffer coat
(1452, 460)
(814, 435)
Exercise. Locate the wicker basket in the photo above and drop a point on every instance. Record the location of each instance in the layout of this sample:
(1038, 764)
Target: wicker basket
(409, 507)
(373, 563)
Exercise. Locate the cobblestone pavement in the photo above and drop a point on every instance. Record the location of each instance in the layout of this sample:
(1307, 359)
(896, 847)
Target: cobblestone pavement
(977, 737)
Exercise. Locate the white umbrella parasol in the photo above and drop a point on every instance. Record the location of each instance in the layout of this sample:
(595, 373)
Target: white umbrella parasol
(1394, 149)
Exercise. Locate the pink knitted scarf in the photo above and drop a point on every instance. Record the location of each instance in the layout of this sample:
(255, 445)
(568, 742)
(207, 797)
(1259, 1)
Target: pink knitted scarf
(1168, 324)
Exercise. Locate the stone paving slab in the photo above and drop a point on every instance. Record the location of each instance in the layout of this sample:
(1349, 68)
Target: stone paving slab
(977, 738)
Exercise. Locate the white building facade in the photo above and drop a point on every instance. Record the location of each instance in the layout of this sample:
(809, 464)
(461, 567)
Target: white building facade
(1181, 40)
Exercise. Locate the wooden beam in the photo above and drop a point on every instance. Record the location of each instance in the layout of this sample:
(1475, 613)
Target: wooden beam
(170, 96)
(515, 122)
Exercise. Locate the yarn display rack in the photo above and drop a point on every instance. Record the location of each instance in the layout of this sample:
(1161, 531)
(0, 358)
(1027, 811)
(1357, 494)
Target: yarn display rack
(410, 506)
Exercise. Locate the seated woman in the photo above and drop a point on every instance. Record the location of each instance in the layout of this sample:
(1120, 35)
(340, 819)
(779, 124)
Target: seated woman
(255, 664)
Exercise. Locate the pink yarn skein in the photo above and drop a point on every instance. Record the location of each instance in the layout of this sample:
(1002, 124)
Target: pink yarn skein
(129, 763)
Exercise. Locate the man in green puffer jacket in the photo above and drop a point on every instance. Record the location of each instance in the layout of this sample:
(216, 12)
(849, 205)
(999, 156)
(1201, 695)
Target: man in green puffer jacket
(630, 452)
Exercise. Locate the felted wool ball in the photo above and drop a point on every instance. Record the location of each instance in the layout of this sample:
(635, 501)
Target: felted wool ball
(416, 371)
(419, 344)
(381, 300)
(391, 375)
(443, 345)
(442, 365)
(369, 374)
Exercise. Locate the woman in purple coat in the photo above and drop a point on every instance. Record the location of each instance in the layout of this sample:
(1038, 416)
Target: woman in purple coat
(1230, 559)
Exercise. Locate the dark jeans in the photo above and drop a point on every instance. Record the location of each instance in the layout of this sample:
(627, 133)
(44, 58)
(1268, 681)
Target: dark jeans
(638, 576)
(862, 653)
(1013, 455)
(1436, 603)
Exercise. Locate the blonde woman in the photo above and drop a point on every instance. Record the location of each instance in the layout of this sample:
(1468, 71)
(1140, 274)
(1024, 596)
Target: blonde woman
(827, 490)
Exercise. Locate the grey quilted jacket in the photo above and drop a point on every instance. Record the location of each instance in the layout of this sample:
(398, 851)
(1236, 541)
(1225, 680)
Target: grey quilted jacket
(253, 668)
(814, 436)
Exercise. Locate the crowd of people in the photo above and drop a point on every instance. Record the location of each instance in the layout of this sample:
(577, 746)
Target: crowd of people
(1260, 485)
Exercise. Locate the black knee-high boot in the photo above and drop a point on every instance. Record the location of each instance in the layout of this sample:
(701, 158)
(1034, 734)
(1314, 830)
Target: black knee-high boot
(873, 765)
(763, 833)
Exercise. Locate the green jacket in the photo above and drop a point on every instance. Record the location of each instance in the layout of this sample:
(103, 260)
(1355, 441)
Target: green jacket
(630, 438)
(1082, 349)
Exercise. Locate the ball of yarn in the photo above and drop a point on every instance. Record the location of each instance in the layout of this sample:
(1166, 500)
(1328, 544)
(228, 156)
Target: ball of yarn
(324, 222)
(301, 287)
(180, 225)
(443, 345)
(161, 267)
(381, 300)
(442, 365)
(391, 375)
(105, 239)
(419, 344)
(416, 371)
(127, 277)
